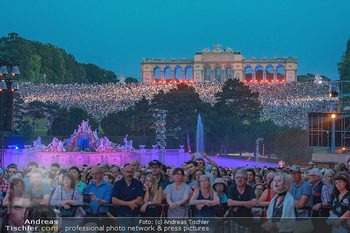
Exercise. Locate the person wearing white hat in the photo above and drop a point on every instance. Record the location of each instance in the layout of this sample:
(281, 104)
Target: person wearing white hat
(219, 187)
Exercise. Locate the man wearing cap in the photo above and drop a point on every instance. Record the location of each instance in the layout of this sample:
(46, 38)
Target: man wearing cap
(156, 169)
(302, 193)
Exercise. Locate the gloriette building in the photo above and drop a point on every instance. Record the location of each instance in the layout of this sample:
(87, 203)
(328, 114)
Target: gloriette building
(219, 65)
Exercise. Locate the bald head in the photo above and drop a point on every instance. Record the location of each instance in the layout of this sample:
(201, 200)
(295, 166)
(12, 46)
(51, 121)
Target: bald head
(134, 164)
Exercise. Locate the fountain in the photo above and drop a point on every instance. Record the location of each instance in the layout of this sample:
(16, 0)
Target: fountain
(85, 147)
(200, 136)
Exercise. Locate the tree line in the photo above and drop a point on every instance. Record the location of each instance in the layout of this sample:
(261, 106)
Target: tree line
(40, 63)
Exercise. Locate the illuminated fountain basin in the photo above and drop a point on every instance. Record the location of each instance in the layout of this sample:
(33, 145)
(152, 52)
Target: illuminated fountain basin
(68, 159)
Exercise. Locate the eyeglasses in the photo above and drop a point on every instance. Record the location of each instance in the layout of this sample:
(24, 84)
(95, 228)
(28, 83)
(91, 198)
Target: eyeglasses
(240, 177)
(178, 174)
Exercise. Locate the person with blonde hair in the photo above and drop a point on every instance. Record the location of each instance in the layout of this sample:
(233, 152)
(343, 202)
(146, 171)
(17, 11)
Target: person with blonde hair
(204, 198)
(153, 196)
(197, 173)
(280, 213)
(329, 179)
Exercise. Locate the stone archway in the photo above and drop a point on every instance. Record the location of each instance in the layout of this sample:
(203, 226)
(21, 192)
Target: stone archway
(280, 73)
(189, 73)
(269, 73)
(248, 74)
(259, 74)
(178, 73)
(157, 73)
(167, 73)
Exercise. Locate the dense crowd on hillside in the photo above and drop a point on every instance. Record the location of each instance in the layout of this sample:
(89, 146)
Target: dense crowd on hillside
(271, 199)
(285, 104)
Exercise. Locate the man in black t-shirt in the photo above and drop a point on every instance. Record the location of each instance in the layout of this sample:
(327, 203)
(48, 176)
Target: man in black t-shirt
(242, 198)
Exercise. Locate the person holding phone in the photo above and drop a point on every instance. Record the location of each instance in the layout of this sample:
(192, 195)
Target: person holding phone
(100, 192)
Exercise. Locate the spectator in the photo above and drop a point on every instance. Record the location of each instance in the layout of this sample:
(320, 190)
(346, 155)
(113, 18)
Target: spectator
(16, 201)
(302, 193)
(66, 196)
(251, 177)
(77, 179)
(115, 170)
(242, 198)
(258, 179)
(11, 169)
(200, 162)
(198, 172)
(153, 196)
(177, 194)
(190, 167)
(128, 193)
(258, 190)
(321, 198)
(216, 172)
(156, 167)
(135, 165)
(4, 186)
(109, 178)
(100, 192)
(341, 201)
(280, 213)
(204, 198)
(54, 168)
(104, 167)
(37, 191)
(329, 179)
(220, 186)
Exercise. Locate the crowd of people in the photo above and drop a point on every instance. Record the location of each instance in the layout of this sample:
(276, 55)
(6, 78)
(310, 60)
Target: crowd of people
(284, 103)
(283, 199)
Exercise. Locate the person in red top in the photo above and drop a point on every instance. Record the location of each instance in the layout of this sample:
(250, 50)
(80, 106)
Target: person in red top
(4, 186)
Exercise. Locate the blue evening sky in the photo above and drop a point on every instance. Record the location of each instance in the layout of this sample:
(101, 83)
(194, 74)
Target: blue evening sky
(117, 34)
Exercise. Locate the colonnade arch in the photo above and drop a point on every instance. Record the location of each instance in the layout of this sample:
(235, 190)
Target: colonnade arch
(269, 73)
(248, 73)
(178, 73)
(259, 73)
(281, 75)
(157, 73)
(167, 73)
(219, 65)
(189, 73)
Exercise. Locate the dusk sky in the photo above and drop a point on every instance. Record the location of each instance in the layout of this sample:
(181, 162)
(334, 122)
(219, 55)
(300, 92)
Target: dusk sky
(116, 34)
